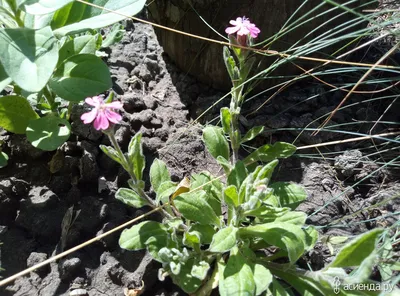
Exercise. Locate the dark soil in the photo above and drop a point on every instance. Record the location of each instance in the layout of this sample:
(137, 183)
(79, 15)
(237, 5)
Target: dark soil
(37, 188)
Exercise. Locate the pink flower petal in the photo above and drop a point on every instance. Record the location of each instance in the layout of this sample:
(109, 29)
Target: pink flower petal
(243, 31)
(101, 122)
(114, 105)
(112, 116)
(94, 101)
(231, 30)
(89, 116)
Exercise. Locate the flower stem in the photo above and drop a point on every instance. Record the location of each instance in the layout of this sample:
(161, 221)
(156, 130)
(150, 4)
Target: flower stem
(129, 168)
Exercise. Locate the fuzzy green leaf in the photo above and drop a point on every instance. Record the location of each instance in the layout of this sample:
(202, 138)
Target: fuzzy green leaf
(136, 156)
(136, 237)
(130, 198)
(262, 278)
(354, 252)
(231, 196)
(3, 159)
(15, 114)
(78, 45)
(268, 152)
(224, 240)
(111, 153)
(41, 7)
(216, 142)
(205, 232)
(193, 206)
(225, 164)
(252, 133)
(237, 175)
(226, 119)
(288, 194)
(158, 174)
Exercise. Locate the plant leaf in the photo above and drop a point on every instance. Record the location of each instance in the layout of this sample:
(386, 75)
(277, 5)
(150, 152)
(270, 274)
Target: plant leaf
(237, 276)
(78, 45)
(237, 175)
(3, 159)
(28, 56)
(225, 164)
(216, 142)
(130, 198)
(111, 153)
(185, 279)
(262, 278)
(205, 232)
(252, 133)
(193, 206)
(165, 190)
(136, 156)
(158, 174)
(284, 235)
(76, 17)
(80, 76)
(135, 238)
(15, 114)
(43, 6)
(226, 119)
(231, 196)
(223, 240)
(288, 194)
(268, 153)
(354, 252)
(4, 79)
(48, 133)
(114, 36)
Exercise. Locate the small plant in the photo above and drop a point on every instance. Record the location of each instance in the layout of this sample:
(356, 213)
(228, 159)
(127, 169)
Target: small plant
(244, 236)
(49, 54)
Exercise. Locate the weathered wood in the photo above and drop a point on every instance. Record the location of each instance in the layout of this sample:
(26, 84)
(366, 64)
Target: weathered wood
(204, 59)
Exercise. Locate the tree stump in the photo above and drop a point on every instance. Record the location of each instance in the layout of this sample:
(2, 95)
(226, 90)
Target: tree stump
(203, 59)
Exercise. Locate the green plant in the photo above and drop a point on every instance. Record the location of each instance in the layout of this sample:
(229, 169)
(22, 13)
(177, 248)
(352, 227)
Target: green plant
(243, 236)
(49, 54)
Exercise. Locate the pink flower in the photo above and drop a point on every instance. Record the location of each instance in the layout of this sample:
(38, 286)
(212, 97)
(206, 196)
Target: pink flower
(102, 113)
(242, 26)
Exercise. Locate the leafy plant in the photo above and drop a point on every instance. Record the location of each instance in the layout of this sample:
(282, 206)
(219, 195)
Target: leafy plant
(243, 236)
(48, 53)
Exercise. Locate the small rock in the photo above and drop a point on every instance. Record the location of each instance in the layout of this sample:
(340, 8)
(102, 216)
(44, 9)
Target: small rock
(133, 103)
(36, 258)
(123, 136)
(42, 197)
(69, 268)
(89, 171)
(143, 73)
(348, 162)
(78, 292)
(150, 102)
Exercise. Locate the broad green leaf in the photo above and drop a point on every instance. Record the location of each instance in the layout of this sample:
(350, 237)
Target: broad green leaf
(267, 213)
(80, 76)
(28, 56)
(226, 119)
(216, 142)
(165, 190)
(136, 156)
(262, 278)
(48, 133)
(205, 232)
(114, 36)
(3, 159)
(311, 237)
(193, 206)
(15, 114)
(237, 276)
(4, 79)
(225, 164)
(288, 194)
(185, 279)
(268, 153)
(43, 6)
(111, 153)
(283, 235)
(37, 21)
(135, 238)
(158, 174)
(229, 62)
(237, 175)
(252, 133)
(297, 218)
(354, 252)
(130, 198)
(77, 17)
(223, 240)
(78, 45)
(231, 196)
